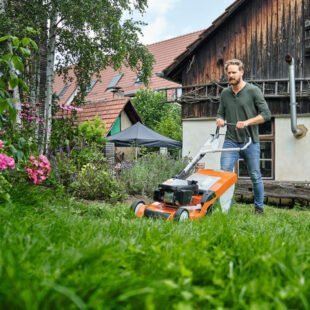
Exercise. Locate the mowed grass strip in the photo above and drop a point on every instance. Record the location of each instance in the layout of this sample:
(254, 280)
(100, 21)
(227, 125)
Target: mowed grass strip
(58, 253)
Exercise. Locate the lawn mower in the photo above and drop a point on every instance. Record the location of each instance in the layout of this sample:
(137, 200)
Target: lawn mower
(192, 196)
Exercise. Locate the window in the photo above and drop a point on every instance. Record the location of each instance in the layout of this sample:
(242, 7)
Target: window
(91, 86)
(138, 80)
(266, 132)
(63, 91)
(116, 78)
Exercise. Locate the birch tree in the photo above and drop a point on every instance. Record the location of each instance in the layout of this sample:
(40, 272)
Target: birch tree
(87, 36)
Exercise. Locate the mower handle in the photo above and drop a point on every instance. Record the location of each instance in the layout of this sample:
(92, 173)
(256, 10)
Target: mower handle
(203, 151)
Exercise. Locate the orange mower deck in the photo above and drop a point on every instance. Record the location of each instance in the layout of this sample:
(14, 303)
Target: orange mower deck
(207, 187)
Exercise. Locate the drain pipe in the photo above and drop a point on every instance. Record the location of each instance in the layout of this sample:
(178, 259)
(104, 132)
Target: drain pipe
(299, 131)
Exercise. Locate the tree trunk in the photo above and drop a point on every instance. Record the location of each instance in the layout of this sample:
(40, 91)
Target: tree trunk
(16, 96)
(49, 83)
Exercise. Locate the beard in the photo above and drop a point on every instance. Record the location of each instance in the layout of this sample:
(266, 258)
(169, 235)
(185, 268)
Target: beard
(234, 82)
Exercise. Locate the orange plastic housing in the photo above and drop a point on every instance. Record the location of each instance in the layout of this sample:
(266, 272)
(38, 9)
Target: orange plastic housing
(195, 209)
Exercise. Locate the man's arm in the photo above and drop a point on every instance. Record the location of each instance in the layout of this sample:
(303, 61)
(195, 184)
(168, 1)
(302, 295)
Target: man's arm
(251, 121)
(220, 116)
(263, 110)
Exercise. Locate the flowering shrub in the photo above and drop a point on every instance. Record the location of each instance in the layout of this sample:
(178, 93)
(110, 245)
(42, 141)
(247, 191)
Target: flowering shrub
(71, 108)
(29, 112)
(5, 163)
(5, 160)
(38, 169)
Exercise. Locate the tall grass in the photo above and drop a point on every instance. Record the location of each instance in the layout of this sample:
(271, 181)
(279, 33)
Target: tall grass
(56, 253)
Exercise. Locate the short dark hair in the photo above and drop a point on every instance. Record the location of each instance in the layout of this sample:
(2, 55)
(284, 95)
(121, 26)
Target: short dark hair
(237, 62)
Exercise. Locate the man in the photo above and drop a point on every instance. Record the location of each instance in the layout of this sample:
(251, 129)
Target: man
(243, 104)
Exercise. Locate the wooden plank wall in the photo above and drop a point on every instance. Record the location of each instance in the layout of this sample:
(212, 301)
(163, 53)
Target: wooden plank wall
(261, 33)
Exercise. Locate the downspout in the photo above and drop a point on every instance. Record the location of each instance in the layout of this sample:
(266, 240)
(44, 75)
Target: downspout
(299, 131)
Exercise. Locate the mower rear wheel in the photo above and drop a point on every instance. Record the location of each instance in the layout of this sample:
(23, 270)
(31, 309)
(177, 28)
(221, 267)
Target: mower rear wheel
(181, 215)
(136, 205)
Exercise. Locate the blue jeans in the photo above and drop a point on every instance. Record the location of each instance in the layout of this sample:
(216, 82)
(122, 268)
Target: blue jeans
(251, 157)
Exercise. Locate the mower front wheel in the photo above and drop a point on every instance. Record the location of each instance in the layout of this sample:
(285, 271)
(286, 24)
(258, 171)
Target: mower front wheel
(181, 215)
(137, 205)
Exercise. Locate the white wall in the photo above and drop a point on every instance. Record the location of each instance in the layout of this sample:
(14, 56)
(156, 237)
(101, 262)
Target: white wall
(125, 121)
(292, 156)
(195, 133)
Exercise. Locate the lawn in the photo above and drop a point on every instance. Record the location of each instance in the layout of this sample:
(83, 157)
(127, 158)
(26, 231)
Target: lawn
(57, 253)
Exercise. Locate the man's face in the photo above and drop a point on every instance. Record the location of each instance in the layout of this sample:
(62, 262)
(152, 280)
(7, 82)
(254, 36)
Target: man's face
(234, 74)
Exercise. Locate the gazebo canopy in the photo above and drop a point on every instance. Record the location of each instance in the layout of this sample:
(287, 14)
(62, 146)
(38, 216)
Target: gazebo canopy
(140, 135)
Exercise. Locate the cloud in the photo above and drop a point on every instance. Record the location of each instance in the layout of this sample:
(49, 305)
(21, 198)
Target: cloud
(157, 16)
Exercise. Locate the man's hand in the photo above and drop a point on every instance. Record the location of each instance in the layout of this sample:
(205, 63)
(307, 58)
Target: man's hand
(220, 122)
(242, 124)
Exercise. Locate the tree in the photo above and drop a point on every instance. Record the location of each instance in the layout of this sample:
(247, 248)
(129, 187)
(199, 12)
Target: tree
(157, 114)
(171, 124)
(151, 106)
(86, 35)
(11, 66)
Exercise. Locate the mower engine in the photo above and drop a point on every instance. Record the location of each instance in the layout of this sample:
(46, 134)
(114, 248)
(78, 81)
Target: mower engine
(175, 192)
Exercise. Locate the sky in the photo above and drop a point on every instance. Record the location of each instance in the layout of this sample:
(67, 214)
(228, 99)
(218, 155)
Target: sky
(171, 18)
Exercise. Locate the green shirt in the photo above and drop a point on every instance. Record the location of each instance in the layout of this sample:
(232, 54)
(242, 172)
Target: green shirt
(248, 103)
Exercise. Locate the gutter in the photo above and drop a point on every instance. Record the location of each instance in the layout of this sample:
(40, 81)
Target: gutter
(299, 131)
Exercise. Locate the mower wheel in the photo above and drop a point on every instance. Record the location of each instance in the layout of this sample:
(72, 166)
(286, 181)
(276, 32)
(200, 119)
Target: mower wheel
(136, 205)
(181, 215)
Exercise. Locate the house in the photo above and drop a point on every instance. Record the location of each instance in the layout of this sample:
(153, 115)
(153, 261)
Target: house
(109, 97)
(261, 34)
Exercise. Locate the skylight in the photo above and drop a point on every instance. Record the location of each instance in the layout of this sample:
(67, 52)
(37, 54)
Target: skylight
(91, 86)
(116, 78)
(63, 91)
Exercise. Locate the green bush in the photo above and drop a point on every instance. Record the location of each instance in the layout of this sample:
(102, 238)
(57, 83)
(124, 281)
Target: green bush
(93, 182)
(93, 131)
(5, 187)
(149, 171)
(64, 169)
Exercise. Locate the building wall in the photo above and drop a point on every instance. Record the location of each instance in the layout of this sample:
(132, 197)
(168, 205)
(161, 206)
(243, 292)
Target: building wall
(195, 133)
(292, 161)
(291, 155)
(259, 32)
(125, 121)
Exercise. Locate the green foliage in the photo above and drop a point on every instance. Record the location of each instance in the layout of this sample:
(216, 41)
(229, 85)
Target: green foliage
(19, 143)
(148, 171)
(93, 131)
(5, 188)
(56, 253)
(151, 106)
(171, 124)
(93, 182)
(11, 66)
(114, 40)
(64, 169)
(84, 173)
(64, 133)
(157, 114)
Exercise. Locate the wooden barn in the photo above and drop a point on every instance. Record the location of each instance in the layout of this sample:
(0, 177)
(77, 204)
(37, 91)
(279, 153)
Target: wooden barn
(261, 33)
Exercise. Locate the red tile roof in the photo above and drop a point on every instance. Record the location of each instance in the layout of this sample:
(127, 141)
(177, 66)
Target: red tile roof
(107, 110)
(165, 52)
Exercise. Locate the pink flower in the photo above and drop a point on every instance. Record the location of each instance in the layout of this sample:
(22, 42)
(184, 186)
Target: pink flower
(38, 169)
(71, 108)
(1, 144)
(6, 162)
